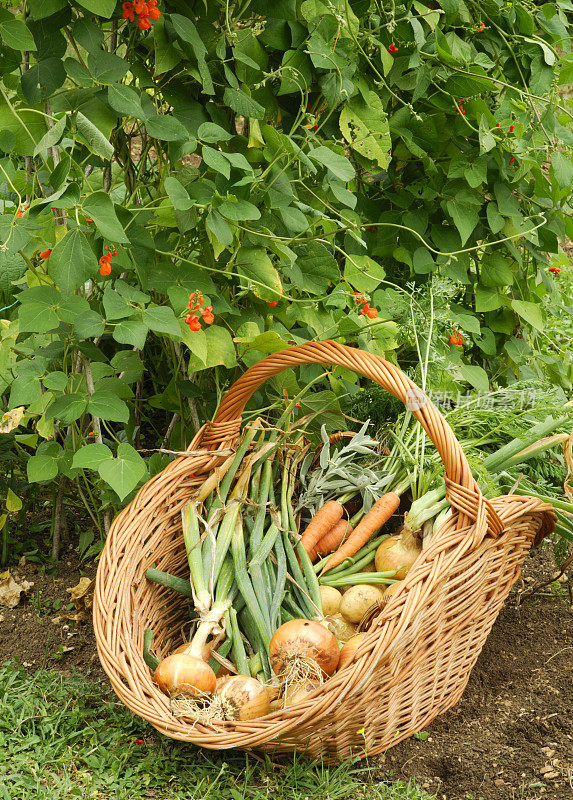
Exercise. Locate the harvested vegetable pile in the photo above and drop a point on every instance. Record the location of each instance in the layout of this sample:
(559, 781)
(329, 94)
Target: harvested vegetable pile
(271, 537)
(293, 547)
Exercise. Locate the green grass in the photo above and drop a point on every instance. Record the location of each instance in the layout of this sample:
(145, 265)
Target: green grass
(69, 737)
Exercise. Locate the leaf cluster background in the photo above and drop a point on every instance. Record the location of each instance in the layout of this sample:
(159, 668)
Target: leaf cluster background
(283, 159)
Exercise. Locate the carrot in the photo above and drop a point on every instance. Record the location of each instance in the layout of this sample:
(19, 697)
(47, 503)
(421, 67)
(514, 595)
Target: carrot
(331, 540)
(325, 518)
(380, 513)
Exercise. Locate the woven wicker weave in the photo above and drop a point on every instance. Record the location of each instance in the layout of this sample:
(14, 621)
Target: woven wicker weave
(416, 659)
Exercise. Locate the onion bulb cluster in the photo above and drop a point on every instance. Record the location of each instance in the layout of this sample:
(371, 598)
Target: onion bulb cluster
(397, 553)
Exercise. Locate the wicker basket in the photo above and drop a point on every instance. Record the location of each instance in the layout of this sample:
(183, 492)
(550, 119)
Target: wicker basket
(417, 657)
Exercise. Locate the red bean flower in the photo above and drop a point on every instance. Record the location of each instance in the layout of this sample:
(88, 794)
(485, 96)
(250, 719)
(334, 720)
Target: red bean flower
(369, 312)
(141, 12)
(481, 27)
(392, 48)
(193, 322)
(105, 262)
(105, 266)
(511, 128)
(456, 338)
(555, 270)
(358, 298)
(272, 303)
(196, 300)
(207, 314)
(45, 254)
(128, 11)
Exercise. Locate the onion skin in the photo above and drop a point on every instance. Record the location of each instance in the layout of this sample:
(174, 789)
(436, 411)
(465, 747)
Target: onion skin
(394, 554)
(349, 650)
(273, 690)
(342, 629)
(185, 673)
(391, 590)
(358, 599)
(298, 693)
(242, 698)
(307, 639)
(186, 647)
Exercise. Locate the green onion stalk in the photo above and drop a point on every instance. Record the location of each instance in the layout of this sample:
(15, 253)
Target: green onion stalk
(425, 508)
(533, 444)
(172, 582)
(307, 596)
(212, 569)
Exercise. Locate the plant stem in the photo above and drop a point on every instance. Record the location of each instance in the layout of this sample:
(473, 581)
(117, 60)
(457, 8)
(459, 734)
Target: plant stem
(353, 579)
(169, 581)
(239, 653)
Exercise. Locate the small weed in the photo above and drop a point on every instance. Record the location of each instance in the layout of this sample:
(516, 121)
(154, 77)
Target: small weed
(68, 737)
(59, 652)
(47, 606)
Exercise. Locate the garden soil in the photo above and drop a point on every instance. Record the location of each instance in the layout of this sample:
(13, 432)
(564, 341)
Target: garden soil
(509, 738)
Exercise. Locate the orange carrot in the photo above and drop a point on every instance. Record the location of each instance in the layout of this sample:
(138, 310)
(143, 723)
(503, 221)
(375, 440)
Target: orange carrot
(331, 540)
(380, 513)
(324, 519)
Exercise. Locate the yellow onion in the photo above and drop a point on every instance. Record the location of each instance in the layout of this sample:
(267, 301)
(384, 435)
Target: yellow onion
(297, 693)
(275, 705)
(349, 650)
(242, 697)
(300, 643)
(397, 553)
(185, 673)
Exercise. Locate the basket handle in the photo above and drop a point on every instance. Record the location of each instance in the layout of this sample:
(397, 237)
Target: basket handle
(463, 491)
